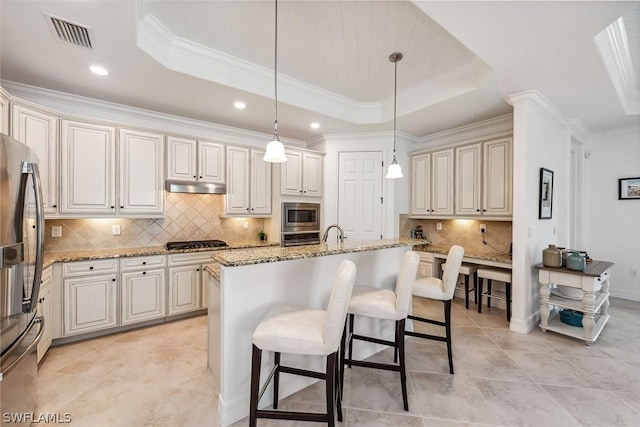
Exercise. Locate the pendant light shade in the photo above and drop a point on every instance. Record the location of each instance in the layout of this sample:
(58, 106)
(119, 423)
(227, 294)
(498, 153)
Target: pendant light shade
(275, 150)
(395, 171)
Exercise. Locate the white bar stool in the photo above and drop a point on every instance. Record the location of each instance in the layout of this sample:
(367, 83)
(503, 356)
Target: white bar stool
(384, 304)
(500, 274)
(434, 288)
(467, 270)
(301, 330)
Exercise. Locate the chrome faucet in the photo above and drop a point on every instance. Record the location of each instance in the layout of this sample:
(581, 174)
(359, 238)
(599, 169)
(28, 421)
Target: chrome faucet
(340, 233)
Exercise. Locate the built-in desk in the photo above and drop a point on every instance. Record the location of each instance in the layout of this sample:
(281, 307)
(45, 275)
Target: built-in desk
(594, 282)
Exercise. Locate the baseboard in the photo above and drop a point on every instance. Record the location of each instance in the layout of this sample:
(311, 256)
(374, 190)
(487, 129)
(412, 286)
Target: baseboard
(526, 326)
(616, 293)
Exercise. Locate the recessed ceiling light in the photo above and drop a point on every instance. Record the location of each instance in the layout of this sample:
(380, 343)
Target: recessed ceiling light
(315, 125)
(240, 105)
(97, 69)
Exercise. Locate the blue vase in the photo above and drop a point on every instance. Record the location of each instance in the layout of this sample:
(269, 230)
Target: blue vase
(576, 261)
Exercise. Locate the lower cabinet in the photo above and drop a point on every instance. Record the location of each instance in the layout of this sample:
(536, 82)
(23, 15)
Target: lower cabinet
(425, 267)
(89, 303)
(143, 295)
(45, 309)
(187, 289)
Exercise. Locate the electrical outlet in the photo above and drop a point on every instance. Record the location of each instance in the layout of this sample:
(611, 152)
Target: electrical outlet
(439, 226)
(246, 225)
(483, 228)
(56, 231)
(633, 272)
(115, 229)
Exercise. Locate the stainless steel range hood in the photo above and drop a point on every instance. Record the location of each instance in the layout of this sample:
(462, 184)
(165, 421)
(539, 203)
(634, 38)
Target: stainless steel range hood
(195, 187)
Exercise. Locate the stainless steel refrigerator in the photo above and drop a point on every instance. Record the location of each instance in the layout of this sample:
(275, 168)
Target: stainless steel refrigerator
(21, 250)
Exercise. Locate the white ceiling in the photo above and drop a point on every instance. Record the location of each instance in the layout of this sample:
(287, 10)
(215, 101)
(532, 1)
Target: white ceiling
(195, 58)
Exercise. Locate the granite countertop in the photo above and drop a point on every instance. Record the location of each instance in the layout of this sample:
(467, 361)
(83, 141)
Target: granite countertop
(275, 254)
(214, 270)
(53, 257)
(487, 256)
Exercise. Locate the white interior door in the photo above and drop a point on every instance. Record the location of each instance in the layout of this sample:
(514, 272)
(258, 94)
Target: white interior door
(360, 194)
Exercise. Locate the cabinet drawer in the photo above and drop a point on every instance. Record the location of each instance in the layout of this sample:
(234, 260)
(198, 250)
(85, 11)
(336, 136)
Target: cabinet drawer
(136, 263)
(426, 256)
(81, 268)
(46, 275)
(190, 258)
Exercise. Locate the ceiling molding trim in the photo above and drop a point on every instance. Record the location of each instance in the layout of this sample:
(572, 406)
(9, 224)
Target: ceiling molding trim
(613, 45)
(537, 100)
(68, 104)
(579, 130)
(187, 57)
(378, 137)
(490, 127)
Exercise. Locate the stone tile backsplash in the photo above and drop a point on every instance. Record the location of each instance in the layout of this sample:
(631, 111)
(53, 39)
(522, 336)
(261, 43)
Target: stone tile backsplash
(187, 217)
(463, 232)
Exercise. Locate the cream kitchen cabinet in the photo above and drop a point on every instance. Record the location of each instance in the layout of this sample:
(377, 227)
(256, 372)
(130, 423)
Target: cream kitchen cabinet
(301, 174)
(248, 183)
(90, 186)
(38, 128)
(143, 288)
(45, 310)
(195, 160)
(186, 281)
(484, 179)
(432, 183)
(89, 299)
(425, 267)
(4, 111)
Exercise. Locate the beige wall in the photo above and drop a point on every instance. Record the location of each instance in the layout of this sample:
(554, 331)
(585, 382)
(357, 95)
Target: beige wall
(188, 217)
(463, 232)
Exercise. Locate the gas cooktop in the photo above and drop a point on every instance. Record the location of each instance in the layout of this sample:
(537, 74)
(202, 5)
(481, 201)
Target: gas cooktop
(196, 244)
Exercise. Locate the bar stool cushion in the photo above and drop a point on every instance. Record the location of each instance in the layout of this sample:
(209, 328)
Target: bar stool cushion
(466, 269)
(292, 329)
(434, 288)
(373, 302)
(499, 274)
(429, 287)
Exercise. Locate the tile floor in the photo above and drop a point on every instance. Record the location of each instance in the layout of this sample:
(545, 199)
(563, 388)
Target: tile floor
(157, 376)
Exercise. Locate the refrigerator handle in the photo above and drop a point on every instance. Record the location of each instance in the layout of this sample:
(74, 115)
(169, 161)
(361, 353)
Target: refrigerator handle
(32, 168)
(29, 349)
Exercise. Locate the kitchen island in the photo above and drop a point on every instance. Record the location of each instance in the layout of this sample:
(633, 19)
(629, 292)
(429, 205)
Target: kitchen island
(250, 282)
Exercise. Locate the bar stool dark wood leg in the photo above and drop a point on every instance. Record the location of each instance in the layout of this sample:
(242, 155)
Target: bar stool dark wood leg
(256, 360)
(475, 290)
(466, 292)
(447, 321)
(480, 287)
(400, 324)
(489, 283)
(508, 291)
(330, 388)
(276, 379)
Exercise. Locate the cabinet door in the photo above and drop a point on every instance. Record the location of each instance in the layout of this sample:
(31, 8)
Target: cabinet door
(260, 184)
(141, 172)
(184, 289)
(442, 182)
(468, 180)
(181, 158)
(204, 280)
(312, 175)
(39, 130)
(497, 178)
(4, 112)
(237, 197)
(89, 304)
(291, 175)
(421, 184)
(143, 295)
(45, 310)
(87, 168)
(425, 269)
(210, 162)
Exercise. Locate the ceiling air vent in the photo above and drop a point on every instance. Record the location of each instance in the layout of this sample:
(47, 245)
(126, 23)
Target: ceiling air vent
(70, 32)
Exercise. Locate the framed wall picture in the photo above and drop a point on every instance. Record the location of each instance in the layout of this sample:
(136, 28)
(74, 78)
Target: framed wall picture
(629, 188)
(546, 194)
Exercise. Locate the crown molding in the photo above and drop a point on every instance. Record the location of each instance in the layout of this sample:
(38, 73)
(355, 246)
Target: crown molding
(579, 130)
(537, 100)
(67, 104)
(613, 46)
(184, 56)
(500, 125)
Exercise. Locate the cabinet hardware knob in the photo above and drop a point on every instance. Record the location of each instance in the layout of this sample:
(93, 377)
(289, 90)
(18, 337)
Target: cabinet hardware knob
(194, 176)
(144, 272)
(301, 191)
(144, 262)
(41, 299)
(54, 206)
(91, 268)
(113, 280)
(33, 226)
(305, 191)
(197, 269)
(477, 210)
(200, 177)
(113, 207)
(484, 210)
(121, 207)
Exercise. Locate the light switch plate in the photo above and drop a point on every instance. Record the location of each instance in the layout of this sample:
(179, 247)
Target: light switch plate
(115, 229)
(56, 231)
(439, 226)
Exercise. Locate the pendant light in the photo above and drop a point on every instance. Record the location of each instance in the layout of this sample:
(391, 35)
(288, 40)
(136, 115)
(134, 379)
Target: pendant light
(275, 150)
(394, 170)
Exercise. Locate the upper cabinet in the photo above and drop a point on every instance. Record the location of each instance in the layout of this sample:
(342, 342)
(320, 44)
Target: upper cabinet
(38, 129)
(301, 174)
(4, 112)
(195, 160)
(90, 186)
(432, 183)
(484, 178)
(248, 182)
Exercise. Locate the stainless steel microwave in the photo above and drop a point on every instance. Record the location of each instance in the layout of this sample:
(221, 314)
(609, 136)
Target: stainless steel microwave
(298, 217)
